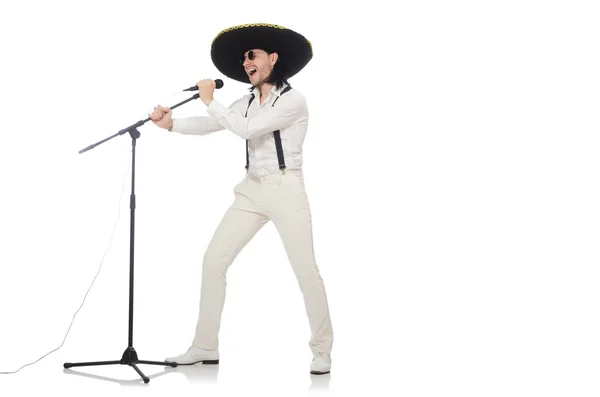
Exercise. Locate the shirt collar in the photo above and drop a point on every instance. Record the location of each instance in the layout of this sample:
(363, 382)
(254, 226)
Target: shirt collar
(274, 90)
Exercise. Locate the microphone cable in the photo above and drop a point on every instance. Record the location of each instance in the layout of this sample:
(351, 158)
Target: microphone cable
(101, 262)
(86, 294)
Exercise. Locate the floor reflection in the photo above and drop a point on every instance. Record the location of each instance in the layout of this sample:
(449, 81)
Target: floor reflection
(197, 373)
(320, 382)
(137, 381)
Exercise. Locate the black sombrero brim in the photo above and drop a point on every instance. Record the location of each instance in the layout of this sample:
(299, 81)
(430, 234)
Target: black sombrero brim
(229, 46)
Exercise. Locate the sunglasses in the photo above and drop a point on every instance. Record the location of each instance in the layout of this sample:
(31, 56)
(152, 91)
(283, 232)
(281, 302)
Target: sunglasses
(251, 56)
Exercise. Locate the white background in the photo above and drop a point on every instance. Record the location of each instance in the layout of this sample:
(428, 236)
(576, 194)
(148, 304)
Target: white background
(451, 164)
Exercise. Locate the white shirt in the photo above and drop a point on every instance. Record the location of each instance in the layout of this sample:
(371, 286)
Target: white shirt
(289, 116)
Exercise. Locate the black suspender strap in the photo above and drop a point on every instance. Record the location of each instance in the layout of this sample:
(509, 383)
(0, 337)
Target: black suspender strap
(276, 135)
(247, 155)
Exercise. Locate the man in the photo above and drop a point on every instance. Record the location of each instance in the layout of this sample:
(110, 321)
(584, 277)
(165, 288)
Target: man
(273, 120)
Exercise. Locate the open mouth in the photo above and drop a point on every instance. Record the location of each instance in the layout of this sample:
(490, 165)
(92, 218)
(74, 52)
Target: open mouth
(251, 72)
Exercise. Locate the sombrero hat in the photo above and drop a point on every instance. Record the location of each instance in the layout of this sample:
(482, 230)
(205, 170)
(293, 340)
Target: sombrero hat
(229, 46)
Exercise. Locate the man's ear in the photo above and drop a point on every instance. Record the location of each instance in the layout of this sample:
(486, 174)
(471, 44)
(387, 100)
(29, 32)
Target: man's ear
(274, 56)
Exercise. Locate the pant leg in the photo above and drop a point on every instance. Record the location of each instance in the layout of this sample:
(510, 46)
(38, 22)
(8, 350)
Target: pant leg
(237, 227)
(289, 210)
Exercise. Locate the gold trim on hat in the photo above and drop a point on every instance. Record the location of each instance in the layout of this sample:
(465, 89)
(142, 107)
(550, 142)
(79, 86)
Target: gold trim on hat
(249, 25)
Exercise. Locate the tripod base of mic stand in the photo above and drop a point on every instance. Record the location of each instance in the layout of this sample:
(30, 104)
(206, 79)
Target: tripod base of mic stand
(130, 358)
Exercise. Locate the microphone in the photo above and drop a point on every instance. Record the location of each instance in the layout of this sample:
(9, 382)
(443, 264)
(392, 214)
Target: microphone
(219, 83)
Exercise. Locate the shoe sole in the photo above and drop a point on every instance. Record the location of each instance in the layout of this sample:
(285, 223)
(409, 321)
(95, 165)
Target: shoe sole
(196, 362)
(319, 373)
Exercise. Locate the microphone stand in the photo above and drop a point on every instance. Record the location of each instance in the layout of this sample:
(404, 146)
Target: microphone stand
(130, 356)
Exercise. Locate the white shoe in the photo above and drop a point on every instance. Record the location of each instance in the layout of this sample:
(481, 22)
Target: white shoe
(321, 364)
(196, 355)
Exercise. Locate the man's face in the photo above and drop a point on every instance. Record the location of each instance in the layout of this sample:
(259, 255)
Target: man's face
(258, 65)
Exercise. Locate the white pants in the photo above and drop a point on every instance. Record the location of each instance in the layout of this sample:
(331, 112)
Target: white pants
(280, 198)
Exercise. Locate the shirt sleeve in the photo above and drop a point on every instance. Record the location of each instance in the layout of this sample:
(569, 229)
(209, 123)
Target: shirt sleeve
(197, 125)
(288, 110)
(204, 125)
